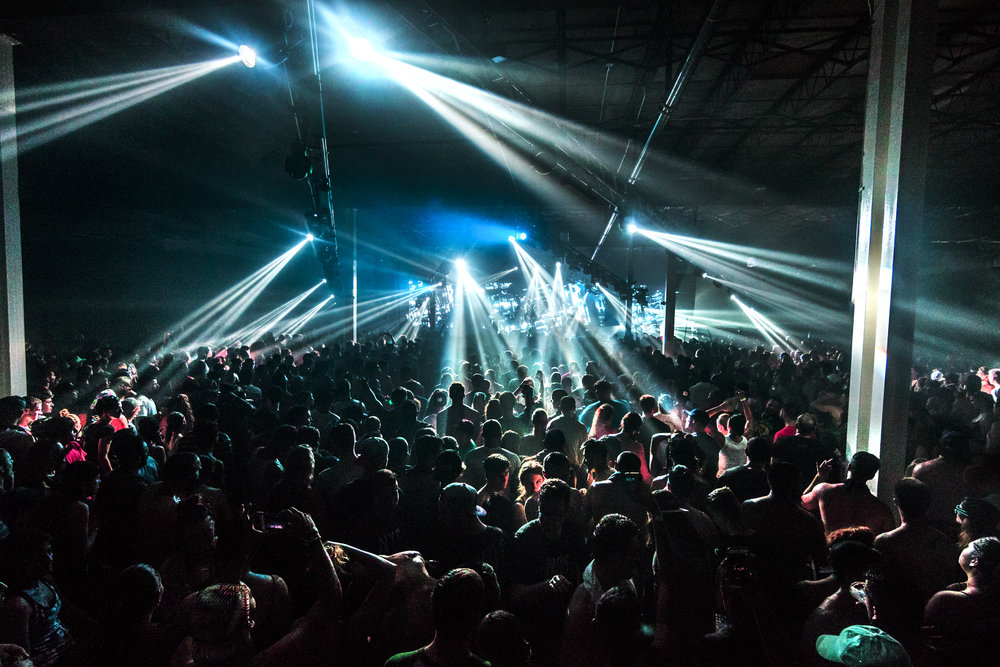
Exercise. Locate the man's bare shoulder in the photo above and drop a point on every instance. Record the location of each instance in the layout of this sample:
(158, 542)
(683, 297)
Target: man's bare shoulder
(826, 488)
(894, 539)
(597, 489)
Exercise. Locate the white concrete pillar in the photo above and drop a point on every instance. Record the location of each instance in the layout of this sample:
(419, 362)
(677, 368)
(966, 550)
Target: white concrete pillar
(12, 357)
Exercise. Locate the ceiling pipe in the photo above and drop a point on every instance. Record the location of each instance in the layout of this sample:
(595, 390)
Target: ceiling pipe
(690, 64)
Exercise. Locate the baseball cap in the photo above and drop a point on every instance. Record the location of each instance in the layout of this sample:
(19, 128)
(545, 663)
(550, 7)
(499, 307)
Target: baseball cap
(862, 645)
(461, 499)
(699, 415)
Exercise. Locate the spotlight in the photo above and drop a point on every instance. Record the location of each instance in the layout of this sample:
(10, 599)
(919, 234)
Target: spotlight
(704, 275)
(732, 297)
(558, 264)
(460, 264)
(522, 236)
(544, 162)
(247, 55)
(631, 228)
(511, 238)
(324, 280)
(361, 49)
(309, 237)
(297, 163)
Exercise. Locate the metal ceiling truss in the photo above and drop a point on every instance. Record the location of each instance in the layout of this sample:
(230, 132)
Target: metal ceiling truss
(844, 54)
(973, 22)
(747, 52)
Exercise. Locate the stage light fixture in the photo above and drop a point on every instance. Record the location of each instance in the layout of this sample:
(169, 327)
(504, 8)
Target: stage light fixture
(732, 297)
(247, 56)
(460, 264)
(361, 49)
(324, 280)
(297, 163)
(704, 275)
(511, 238)
(631, 228)
(558, 264)
(310, 237)
(522, 236)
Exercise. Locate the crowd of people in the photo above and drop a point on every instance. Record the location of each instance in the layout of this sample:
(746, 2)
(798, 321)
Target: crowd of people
(363, 504)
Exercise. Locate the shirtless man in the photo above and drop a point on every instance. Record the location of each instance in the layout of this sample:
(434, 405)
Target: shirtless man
(945, 476)
(921, 554)
(850, 503)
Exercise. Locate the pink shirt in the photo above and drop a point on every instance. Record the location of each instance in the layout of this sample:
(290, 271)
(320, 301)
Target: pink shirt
(75, 453)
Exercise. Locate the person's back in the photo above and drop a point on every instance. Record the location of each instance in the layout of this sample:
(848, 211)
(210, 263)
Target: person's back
(474, 472)
(617, 555)
(127, 635)
(419, 492)
(629, 443)
(843, 505)
(13, 438)
(603, 392)
(849, 560)
(462, 537)
(851, 503)
(793, 535)
(916, 553)
(117, 504)
(700, 393)
(546, 562)
(571, 427)
(733, 453)
(457, 412)
(945, 476)
(457, 603)
(682, 483)
(922, 553)
(620, 494)
(651, 424)
(750, 479)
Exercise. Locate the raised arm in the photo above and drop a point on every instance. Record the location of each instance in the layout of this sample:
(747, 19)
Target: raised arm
(812, 493)
(301, 526)
(747, 412)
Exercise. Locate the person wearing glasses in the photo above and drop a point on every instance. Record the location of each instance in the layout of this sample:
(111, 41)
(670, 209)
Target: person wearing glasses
(976, 518)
